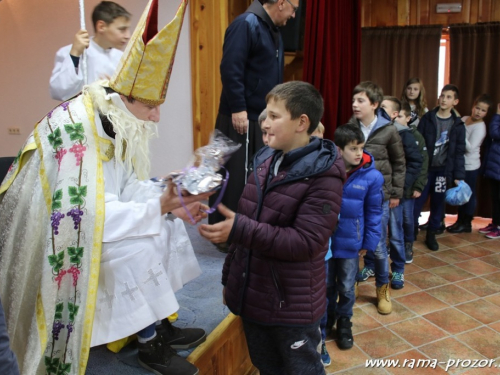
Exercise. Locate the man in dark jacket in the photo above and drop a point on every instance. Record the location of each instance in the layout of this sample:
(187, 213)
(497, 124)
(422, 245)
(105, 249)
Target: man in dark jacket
(252, 64)
(274, 275)
(444, 134)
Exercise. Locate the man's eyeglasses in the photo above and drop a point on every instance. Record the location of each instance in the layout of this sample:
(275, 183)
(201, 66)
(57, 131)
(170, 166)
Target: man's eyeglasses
(295, 8)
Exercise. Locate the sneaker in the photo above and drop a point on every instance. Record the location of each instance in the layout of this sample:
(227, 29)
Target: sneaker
(398, 280)
(159, 358)
(325, 357)
(495, 233)
(365, 273)
(180, 339)
(487, 229)
(344, 333)
(408, 252)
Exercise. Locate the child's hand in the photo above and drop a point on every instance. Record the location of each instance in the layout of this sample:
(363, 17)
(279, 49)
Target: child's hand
(362, 252)
(218, 233)
(393, 202)
(80, 42)
(416, 194)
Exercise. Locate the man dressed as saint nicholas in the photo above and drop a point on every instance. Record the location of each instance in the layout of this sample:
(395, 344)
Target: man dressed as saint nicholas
(90, 249)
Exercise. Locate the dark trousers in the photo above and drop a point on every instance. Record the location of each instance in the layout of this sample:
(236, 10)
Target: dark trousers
(278, 350)
(436, 189)
(236, 164)
(470, 206)
(495, 201)
(8, 362)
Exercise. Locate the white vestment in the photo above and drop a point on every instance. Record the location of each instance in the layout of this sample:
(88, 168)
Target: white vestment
(67, 81)
(145, 257)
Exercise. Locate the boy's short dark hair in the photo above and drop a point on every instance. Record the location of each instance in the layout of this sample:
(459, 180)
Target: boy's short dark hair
(108, 11)
(300, 98)
(484, 98)
(373, 91)
(348, 133)
(406, 109)
(395, 101)
(450, 87)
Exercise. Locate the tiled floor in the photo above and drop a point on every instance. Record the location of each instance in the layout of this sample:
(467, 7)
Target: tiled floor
(449, 308)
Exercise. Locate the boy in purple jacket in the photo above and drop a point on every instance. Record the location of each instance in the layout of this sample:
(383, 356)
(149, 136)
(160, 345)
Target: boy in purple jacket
(274, 274)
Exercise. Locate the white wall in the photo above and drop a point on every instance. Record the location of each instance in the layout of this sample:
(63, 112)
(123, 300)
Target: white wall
(31, 31)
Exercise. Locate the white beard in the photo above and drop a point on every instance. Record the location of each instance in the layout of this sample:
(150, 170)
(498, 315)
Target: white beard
(132, 132)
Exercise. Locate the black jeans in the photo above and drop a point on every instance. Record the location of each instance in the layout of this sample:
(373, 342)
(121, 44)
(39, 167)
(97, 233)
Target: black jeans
(278, 350)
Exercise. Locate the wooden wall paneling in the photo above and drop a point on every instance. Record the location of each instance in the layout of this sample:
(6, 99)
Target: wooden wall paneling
(366, 13)
(495, 10)
(403, 12)
(424, 11)
(385, 13)
(413, 12)
(474, 11)
(484, 10)
(449, 18)
(209, 20)
(237, 7)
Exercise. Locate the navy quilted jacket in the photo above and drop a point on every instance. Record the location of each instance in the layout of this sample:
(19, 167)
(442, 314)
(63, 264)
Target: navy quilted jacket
(274, 272)
(493, 162)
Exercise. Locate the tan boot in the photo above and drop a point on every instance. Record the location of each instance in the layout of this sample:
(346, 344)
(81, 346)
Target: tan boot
(384, 304)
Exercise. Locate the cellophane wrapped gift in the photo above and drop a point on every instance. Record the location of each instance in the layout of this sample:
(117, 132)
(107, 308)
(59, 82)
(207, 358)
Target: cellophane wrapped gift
(201, 174)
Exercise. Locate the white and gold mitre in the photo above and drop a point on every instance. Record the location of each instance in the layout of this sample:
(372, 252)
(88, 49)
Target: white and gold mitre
(144, 69)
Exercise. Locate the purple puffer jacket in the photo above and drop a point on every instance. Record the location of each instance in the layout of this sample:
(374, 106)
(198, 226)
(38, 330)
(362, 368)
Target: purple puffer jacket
(274, 272)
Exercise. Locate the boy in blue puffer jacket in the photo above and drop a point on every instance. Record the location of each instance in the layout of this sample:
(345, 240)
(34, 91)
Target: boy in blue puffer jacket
(359, 228)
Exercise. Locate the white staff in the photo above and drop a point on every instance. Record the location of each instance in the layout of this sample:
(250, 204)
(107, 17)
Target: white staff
(83, 62)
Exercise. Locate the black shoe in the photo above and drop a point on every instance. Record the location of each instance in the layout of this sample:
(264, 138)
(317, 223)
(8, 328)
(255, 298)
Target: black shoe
(344, 333)
(455, 225)
(424, 226)
(460, 228)
(180, 339)
(161, 359)
(431, 242)
(330, 323)
(408, 252)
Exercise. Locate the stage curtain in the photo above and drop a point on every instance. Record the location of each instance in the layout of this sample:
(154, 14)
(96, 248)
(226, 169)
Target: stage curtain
(475, 69)
(332, 41)
(392, 55)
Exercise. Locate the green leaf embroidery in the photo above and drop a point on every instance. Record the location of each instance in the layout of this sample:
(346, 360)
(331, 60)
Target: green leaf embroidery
(76, 193)
(75, 131)
(73, 310)
(55, 139)
(56, 200)
(57, 261)
(59, 310)
(75, 254)
(64, 368)
(52, 364)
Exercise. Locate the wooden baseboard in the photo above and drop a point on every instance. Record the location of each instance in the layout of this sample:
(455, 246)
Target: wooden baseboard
(225, 351)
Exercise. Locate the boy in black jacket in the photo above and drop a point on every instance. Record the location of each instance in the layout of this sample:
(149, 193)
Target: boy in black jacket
(444, 134)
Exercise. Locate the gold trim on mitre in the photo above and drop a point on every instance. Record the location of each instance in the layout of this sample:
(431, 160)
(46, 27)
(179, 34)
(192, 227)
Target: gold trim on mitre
(145, 67)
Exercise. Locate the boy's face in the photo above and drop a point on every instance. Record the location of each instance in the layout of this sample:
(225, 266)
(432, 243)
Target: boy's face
(363, 109)
(281, 130)
(352, 154)
(116, 33)
(402, 118)
(388, 107)
(447, 100)
(413, 91)
(479, 111)
(264, 134)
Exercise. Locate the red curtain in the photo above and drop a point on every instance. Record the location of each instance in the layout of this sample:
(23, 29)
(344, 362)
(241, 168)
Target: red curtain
(332, 44)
